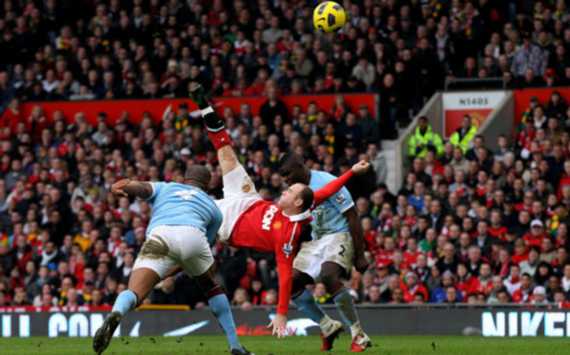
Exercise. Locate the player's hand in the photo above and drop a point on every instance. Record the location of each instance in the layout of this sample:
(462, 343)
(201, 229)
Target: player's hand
(360, 263)
(361, 167)
(279, 325)
(118, 187)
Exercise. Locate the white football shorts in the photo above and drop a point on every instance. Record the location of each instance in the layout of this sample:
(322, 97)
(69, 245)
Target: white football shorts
(239, 195)
(336, 248)
(169, 246)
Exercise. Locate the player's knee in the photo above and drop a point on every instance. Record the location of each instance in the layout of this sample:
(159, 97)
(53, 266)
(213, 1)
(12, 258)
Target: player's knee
(209, 286)
(214, 291)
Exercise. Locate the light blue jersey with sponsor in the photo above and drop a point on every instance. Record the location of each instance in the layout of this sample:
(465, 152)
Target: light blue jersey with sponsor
(176, 204)
(328, 217)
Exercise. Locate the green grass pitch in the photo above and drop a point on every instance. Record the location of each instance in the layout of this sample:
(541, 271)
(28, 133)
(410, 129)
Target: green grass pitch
(385, 345)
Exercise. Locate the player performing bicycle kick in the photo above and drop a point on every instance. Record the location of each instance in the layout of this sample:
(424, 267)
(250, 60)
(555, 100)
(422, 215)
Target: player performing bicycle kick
(251, 222)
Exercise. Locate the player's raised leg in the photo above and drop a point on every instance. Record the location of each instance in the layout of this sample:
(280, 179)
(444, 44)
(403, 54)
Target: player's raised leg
(216, 131)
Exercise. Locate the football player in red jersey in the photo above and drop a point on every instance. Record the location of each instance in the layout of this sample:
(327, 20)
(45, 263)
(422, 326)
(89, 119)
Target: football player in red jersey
(251, 222)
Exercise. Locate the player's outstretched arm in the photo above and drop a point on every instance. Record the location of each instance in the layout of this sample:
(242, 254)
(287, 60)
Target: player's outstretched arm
(285, 275)
(334, 186)
(131, 188)
(360, 262)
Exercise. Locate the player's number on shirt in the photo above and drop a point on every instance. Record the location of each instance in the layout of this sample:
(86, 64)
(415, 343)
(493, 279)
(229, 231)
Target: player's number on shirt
(342, 250)
(186, 195)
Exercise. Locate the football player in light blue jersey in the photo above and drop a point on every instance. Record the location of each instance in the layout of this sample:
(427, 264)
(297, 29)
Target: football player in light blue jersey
(337, 245)
(183, 224)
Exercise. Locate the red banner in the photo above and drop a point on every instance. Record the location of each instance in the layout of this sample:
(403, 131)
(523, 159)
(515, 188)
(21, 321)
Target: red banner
(522, 98)
(454, 118)
(156, 108)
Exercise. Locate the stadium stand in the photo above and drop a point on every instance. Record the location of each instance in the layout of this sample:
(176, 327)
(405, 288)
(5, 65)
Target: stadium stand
(475, 226)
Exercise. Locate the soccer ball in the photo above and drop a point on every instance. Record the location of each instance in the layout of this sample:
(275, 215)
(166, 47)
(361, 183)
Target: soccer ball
(329, 16)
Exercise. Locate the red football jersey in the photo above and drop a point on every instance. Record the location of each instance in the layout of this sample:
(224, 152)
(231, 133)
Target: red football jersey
(264, 227)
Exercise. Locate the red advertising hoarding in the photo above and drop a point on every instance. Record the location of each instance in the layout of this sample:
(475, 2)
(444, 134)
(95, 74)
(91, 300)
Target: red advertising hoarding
(156, 108)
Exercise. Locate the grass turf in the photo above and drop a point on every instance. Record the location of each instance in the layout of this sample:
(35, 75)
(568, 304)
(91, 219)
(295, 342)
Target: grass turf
(385, 345)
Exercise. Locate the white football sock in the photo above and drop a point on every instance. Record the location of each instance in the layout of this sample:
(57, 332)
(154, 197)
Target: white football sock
(356, 329)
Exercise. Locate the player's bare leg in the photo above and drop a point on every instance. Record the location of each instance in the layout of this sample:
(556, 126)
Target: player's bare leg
(331, 277)
(140, 284)
(227, 159)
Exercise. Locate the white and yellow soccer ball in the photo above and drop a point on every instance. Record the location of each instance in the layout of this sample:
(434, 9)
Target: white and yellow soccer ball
(329, 16)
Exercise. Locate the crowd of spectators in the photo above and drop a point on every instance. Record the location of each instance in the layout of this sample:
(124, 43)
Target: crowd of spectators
(475, 225)
(404, 50)
(470, 225)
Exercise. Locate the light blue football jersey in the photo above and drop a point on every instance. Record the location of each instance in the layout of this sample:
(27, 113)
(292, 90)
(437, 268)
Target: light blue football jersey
(176, 204)
(328, 217)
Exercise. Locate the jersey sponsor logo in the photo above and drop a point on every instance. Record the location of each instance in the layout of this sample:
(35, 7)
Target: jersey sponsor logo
(268, 217)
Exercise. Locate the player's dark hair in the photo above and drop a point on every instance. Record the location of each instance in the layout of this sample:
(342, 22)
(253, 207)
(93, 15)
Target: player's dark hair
(199, 176)
(307, 196)
(289, 162)
(292, 166)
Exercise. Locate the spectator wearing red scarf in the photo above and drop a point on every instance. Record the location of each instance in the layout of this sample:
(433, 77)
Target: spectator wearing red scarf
(412, 287)
(502, 265)
(466, 283)
(513, 282)
(536, 234)
(520, 253)
(411, 254)
(496, 229)
(485, 279)
(385, 255)
(524, 293)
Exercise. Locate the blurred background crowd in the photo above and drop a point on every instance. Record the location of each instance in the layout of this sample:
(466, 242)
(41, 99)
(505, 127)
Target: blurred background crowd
(470, 225)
